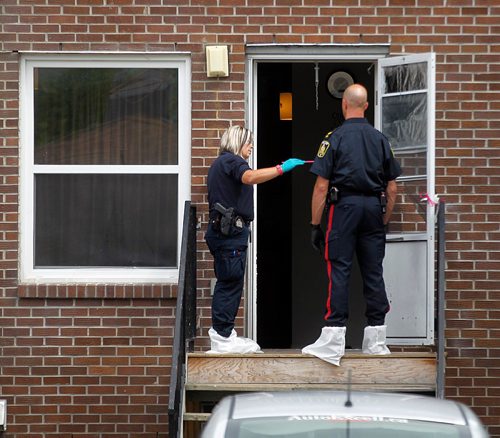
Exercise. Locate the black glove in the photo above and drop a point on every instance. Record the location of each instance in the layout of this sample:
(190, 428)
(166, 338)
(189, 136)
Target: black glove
(317, 238)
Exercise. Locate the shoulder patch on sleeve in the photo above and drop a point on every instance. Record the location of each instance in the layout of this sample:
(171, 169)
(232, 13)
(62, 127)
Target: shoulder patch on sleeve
(323, 148)
(392, 150)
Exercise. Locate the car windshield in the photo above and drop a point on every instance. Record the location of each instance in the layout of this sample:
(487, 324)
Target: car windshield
(341, 427)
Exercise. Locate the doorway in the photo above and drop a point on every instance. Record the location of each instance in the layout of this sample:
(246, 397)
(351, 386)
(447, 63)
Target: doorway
(290, 276)
(287, 281)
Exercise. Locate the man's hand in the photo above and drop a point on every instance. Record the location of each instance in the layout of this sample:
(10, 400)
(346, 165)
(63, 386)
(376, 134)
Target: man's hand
(317, 238)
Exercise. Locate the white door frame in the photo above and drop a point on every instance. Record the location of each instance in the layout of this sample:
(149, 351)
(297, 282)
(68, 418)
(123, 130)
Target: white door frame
(259, 53)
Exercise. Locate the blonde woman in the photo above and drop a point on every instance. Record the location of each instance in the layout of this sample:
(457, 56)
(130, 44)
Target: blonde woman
(230, 201)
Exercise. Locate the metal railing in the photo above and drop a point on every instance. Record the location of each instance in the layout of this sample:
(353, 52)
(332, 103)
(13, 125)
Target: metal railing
(185, 314)
(185, 320)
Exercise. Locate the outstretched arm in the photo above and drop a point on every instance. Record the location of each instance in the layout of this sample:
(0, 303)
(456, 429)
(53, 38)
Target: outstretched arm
(259, 176)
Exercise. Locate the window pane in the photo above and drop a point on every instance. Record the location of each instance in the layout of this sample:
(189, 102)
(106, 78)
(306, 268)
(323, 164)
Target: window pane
(404, 120)
(106, 220)
(406, 77)
(410, 212)
(336, 426)
(106, 116)
(414, 162)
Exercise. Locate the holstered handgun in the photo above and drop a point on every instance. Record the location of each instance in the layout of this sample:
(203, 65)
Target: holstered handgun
(383, 202)
(226, 218)
(333, 195)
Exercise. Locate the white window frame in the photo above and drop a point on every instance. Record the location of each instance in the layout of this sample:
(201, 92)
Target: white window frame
(28, 274)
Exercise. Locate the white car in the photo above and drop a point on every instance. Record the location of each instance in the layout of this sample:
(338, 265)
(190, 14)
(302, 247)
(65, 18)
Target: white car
(340, 414)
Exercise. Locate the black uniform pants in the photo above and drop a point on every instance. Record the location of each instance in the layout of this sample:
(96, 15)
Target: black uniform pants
(355, 223)
(230, 255)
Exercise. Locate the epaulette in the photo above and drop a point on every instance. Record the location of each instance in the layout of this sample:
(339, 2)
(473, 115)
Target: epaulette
(330, 133)
(325, 144)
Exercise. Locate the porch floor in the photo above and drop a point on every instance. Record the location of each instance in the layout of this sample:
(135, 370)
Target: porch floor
(290, 369)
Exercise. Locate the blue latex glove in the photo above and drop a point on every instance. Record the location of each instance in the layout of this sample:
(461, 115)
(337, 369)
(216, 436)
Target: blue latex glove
(291, 163)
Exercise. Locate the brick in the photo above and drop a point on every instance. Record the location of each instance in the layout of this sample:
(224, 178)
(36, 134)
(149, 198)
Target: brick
(463, 36)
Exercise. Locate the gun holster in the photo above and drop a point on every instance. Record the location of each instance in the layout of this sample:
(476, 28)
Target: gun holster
(225, 225)
(383, 202)
(332, 196)
(227, 222)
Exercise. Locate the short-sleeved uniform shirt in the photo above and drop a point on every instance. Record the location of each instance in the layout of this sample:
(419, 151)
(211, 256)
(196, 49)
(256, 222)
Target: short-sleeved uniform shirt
(225, 185)
(356, 157)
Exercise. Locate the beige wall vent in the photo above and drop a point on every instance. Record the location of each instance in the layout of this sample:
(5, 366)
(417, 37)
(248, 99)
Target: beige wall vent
(217, 61)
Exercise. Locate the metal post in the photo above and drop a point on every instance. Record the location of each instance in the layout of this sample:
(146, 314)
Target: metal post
(441, 365)
(191, 280)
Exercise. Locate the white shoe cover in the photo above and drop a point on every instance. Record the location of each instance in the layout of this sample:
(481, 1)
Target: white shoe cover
(233, 344)
(374, 340)
(330, 346)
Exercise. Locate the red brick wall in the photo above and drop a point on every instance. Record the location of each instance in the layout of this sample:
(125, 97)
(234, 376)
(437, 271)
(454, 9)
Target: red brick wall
(88, 367)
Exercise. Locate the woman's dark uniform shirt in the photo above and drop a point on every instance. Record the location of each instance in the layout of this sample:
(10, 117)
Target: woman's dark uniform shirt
(225, 185)
(356, 157)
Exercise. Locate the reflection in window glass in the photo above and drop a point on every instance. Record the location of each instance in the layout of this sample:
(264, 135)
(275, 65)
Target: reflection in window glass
(404, 120)
(106, 220)
(410, 212)
(406, 77)
(413, 162)
(106, 116)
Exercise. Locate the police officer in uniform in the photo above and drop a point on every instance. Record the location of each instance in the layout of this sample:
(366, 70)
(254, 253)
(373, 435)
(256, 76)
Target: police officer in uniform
(231, 208)
(356, 172)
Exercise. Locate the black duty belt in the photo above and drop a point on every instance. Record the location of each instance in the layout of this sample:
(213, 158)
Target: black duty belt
(354, 193)
(215, 217)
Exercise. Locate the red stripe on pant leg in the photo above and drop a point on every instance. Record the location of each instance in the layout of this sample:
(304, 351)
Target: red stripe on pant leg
(329, 264)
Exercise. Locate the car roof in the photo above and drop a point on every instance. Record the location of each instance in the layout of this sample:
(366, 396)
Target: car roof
(318, 403)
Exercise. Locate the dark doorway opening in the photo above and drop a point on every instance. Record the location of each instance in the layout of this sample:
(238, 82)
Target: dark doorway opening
(291, 276)
(274, 306)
